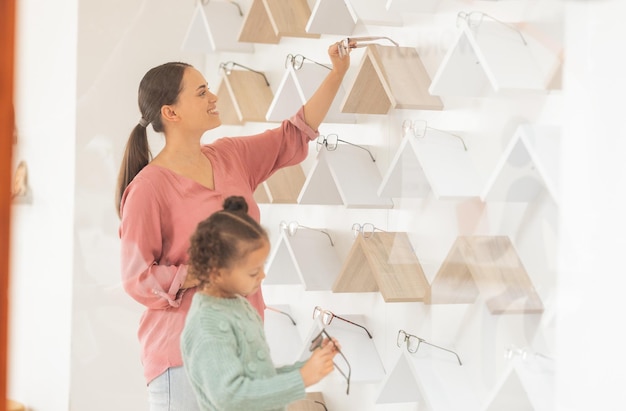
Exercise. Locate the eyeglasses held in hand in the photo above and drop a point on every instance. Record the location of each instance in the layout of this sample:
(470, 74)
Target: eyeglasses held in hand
(343, 367)
(330, 142)
(418, 129)
(292, 229)
(327, 317)
(228, 68)
(366, 230)
(349, 43)
(276, 310)
(473, 19)
(297, 61)
(413, 343)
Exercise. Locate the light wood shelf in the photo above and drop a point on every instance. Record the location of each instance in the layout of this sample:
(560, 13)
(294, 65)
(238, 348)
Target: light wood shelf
(434, 383)
(283, 187)
(487, 266)
(528, 166)
(289, 17)
(257, 26)
(244, 96)
(297, 87)
(331, 17)
(384, 262)
(214, 28)
(345, 176)
(390, 77)
(307, 258)
(436, 163)
(308, 404)
(494, 58)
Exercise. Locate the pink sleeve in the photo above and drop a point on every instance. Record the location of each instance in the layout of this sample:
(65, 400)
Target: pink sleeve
(153, 285)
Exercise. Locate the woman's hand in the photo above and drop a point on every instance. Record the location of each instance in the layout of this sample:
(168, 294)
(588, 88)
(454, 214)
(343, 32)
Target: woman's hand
(340, 64)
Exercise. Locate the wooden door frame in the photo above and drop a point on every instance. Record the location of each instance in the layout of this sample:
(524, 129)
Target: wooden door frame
(7, 122)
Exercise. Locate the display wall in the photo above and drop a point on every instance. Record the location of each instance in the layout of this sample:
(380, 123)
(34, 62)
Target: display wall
(467, 192)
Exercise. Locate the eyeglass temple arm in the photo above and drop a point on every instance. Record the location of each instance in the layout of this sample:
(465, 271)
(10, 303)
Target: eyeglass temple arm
(452, 134)
(421, 340)
(223, 65)
(276, 310)
(332, 243)
(238, 6)
(361, 147)
(371, 38)
(353, 323)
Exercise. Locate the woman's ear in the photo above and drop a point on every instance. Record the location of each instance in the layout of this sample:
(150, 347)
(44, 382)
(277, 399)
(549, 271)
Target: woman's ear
(168, 113)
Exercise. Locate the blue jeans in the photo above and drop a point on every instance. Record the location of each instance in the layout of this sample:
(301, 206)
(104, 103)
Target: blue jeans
(171, 391)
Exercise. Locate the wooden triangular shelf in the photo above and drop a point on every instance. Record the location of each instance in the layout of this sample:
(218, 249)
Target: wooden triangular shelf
(243, 96)
(289, 17)
(528, 166)
(283, 187)
(390, 77)
(489, 266)
(257, 26)
(435, 162)
(214, 27)
(345, 176)
(331, 17)
(295, 89)
(493, 58)
(384, 262)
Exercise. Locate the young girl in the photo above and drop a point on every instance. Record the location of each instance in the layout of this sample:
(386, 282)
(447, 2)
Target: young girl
(223, 344)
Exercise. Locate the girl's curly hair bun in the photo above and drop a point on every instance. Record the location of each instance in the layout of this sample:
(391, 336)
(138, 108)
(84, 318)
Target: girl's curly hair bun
(235, 204)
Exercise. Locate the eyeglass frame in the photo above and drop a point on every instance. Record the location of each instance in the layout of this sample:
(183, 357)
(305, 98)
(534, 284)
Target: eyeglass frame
(333, 315)
(228, 70)
(358, 228)
(345, 46)
(276, 310)
(465, 16)
(420, 340)
(205, 2)
(283, 225)
(317, 343)
(291, 60)
(427, 127)
(333, 147)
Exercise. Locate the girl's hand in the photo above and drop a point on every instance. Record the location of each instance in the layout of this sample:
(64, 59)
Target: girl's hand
(320, 364)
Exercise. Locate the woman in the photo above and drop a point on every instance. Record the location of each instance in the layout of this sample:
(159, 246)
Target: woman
(162, 200)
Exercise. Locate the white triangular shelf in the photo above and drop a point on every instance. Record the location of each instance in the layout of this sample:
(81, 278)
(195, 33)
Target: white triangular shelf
(528, 166)
(345, 176)
(525, 386)
(282, 187)
(244, 96)
(493, 58)
(436, 162)
(384, 262)
(331, 17)
(295, 89)
(306, 258)
(215, 29)
(412, 6)
(390, 77)
(375, 13)
(438, 383)
(282, 335)
(359, 349)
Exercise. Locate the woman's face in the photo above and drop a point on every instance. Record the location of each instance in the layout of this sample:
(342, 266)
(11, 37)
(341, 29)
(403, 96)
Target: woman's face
(196, 106)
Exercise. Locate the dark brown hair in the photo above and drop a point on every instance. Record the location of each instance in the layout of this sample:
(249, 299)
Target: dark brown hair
(224, 238)
(160, 86)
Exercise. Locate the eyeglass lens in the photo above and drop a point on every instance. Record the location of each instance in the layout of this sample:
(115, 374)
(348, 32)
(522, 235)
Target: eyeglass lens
(367, 229)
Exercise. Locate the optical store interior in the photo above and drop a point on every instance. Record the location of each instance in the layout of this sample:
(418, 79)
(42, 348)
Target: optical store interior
(458, 224)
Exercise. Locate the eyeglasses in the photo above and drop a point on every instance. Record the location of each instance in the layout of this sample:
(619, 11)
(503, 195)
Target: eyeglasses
(345, 46)
(366, 230)
(413, 343)
(344, 369)
(296, 61)
(475, 18)
(292, 229)
(276, 310)
(327, 318)
(205, 2)
(419, 127)
(228, 68)
(331, 142)
(512, 351)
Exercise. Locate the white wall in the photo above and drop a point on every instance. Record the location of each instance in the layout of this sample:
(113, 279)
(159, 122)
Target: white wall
(82, 125)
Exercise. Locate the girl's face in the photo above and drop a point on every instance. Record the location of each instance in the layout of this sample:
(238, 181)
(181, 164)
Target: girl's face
(196, 105)
(244, 277)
